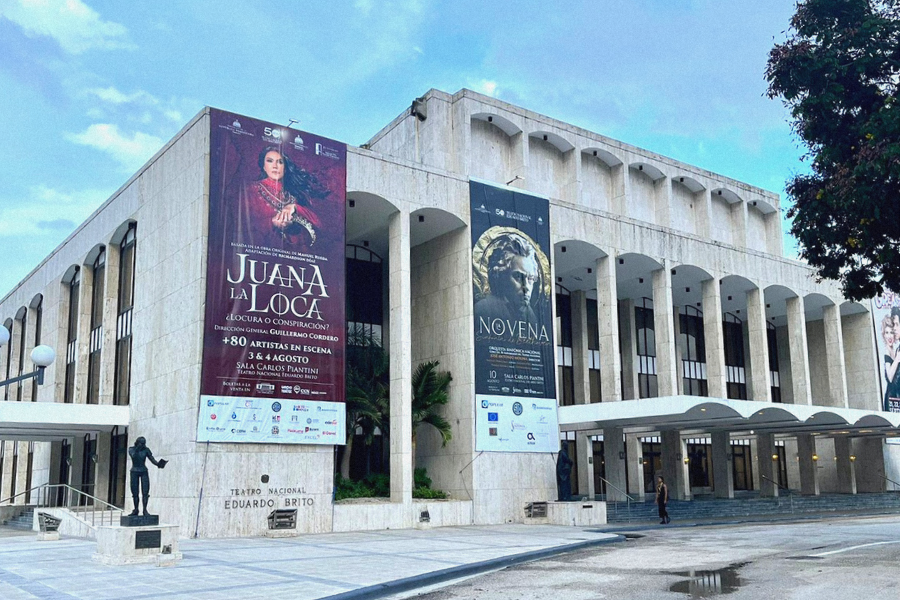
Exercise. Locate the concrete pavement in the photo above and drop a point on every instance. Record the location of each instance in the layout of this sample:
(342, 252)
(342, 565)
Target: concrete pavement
(337, 566)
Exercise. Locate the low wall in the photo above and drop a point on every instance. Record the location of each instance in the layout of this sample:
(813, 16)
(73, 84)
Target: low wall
(372, 515)
(71, 526)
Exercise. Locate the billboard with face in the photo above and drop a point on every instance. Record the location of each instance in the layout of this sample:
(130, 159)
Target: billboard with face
(273, 346)
(886, 312)
(515, 382)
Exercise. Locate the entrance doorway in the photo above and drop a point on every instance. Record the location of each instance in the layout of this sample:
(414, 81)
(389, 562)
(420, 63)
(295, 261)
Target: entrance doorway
(742, 465)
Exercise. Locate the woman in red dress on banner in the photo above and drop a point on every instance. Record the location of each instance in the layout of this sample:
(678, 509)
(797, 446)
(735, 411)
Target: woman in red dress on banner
(276, 210)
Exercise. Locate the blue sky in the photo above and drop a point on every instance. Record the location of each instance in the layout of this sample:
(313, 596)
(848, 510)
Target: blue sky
(90, 89)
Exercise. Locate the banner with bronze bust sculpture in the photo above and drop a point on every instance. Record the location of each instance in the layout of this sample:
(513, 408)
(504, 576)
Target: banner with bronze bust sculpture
(515, 373)
(274, 332)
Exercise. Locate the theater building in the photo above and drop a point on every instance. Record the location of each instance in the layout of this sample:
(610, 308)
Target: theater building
(663, 326)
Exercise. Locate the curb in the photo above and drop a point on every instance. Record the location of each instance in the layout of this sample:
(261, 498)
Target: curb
(426, 579)
(741, 520)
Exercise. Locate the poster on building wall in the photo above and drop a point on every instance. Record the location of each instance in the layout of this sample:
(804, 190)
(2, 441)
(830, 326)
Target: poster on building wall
(515, 374)
(886, 312)
(274, 334)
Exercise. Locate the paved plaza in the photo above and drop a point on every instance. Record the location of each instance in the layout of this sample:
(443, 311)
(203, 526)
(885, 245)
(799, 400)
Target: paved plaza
(346, 565)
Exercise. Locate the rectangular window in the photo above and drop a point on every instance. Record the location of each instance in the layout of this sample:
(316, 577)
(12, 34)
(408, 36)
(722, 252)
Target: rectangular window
(72, 339)
(122, 375)
(23, 326)
(99, 271)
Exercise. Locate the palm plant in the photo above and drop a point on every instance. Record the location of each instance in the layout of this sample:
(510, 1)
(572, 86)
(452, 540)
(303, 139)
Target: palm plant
(430, 391)
(368, 404)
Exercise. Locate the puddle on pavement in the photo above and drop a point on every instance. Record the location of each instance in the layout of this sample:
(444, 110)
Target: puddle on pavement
(706, 584)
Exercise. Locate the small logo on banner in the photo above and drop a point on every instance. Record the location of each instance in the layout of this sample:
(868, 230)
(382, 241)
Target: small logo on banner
(493, 416)
(276, 406)
(484, 404)
(517, 408)
(493, 431)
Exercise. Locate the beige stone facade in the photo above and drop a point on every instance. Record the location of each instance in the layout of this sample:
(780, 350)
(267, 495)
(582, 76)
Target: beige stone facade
(630, 228)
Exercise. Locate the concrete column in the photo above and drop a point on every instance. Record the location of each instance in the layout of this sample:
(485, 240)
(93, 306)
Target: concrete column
(723, 476)
(7, 448)
(759, 389)
(704, 214)
(101, 481)
(834, 355)
(22, 472)
(76, 455)
(571, 191)
(634, 457)
(739, 223)
(796, 318)
(621, 176)
(518, 160)
(663, 189)
(83, 343)
(628, 344)
(664, 330)
(674, 471)
(608, 326)
(809, 468)
(614, 456)
(580, 352)
(110, 313)
(846, 468)
(584, 447)
(870, 471)
(401, 365)
(715, 339)
(765, 444)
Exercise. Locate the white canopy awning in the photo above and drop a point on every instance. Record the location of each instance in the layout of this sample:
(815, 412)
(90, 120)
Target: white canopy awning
(46, 421)
(718, 414)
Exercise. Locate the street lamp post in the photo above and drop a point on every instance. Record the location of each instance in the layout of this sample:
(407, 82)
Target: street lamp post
(42, 357)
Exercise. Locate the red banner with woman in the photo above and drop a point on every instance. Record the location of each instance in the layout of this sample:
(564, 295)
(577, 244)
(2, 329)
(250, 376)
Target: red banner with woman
(274, 335)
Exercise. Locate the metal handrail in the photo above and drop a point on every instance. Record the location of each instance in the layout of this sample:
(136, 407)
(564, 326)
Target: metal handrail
(61, 495)
(779, 486)
(891, 480)
(11, 498)
(628, 498)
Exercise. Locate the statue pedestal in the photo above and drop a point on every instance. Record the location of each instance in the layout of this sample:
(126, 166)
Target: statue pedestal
(137, 545)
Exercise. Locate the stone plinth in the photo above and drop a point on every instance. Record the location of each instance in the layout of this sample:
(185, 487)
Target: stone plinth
(48, 536)
(120, 545)
(578, 514)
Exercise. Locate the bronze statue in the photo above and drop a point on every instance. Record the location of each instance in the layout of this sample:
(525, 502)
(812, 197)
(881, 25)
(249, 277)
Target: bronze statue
(140, 478)
(564, 474)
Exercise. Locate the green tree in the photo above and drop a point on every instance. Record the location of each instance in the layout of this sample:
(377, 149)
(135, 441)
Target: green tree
(838, 72)
(368, 395)
(430, 391)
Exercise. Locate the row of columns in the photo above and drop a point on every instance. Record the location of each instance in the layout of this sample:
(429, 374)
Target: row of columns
(618, 346)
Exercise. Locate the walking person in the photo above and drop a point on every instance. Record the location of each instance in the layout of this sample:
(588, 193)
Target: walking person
(662, 499)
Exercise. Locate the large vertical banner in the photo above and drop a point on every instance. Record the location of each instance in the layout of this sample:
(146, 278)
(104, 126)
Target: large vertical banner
(886, 312)
(274, 335)
(515, 374)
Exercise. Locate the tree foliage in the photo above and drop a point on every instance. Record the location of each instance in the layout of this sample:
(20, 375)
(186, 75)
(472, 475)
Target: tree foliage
(838, 72)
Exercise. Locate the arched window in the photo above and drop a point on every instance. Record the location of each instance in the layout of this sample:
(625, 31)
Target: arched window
(646, 348)
(98, 270)
(38, 312)
(365, 301)
(122, 385)
(774, 376)
(693, 352)
(22, 327)
(9, 327)
(735, 379)
(74, 285)
(564, 345)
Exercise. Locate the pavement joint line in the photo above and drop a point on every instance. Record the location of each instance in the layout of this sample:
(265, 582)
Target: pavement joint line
(285, 574)
(35, 588)
(435, 577)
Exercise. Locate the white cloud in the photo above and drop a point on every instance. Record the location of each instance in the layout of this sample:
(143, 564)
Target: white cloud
(114, 96)
(130, 151)
(73, 24)
(486, 87)
(47, 212)
(364, 6)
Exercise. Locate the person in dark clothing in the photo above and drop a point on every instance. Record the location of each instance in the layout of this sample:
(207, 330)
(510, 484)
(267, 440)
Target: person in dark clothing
(662, 499)
(564, 474)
